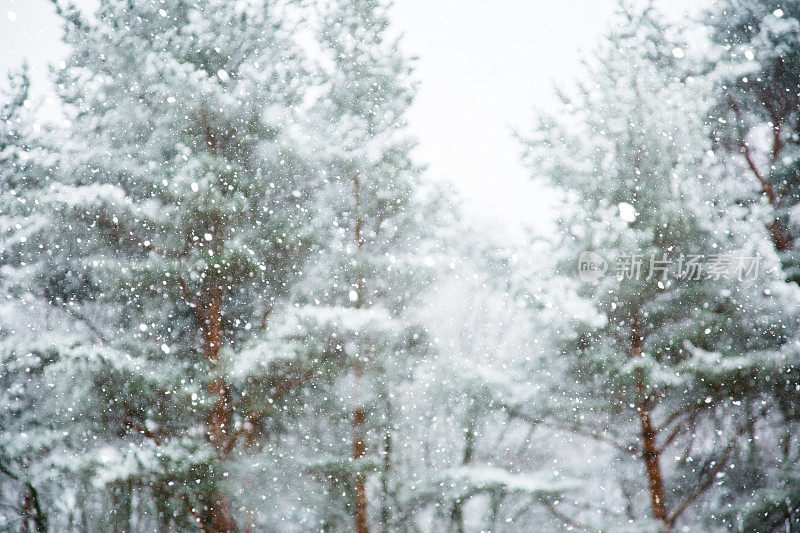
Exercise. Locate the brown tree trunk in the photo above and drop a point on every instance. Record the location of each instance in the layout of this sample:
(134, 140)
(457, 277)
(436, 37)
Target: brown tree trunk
(218, 517)
(779, 236)
(359, 416)
(219, 419)
(650, 452)
(359, 451)
(652, 461)
(386, 510)
(32, 512)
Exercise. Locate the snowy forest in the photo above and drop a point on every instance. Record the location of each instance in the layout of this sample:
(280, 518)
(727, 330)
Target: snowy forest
(234, 301)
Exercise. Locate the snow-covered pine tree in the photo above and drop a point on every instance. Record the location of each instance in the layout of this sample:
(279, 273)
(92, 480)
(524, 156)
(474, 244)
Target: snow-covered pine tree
(754, 65)
(24, 437)
(681, 368)
(381, 224)
(177, 221)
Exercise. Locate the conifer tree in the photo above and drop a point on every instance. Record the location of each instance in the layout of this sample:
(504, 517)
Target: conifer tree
(382, 224)
(23, 481)
(177, 220)
(753, 65)
(683, 360)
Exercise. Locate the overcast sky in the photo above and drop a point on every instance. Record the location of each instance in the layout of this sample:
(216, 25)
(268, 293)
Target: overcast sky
(483, 66)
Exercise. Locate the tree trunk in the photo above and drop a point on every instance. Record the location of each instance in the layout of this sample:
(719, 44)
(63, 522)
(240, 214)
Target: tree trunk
(359, 416)
(779, 235)
(218, 515)
(386, 510)
(32, 512)
(457, 511)
(650, 452)
(652, 461)
(121, 494)
(359, 451)
(219, 419)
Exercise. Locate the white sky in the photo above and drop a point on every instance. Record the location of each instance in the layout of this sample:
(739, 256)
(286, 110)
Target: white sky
(483, 66)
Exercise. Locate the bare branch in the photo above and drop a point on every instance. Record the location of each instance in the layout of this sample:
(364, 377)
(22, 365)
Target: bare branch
(562, 517)
(80, 317)
(679, 429)
(578, 430)
(705, 485)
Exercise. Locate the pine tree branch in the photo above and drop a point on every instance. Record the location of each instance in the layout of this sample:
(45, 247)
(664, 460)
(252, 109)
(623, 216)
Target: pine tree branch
(680, 427)
(31, 499)
(192, 510)
(289, 385)
(70, 14)
(721, 463)
(103, 221)
(4, 469)
(776, 229)
(677, 415)
(185, 292)
(80, 317)
(766, 187)
(137, 428)
(265, 317)
(285, 387)
(562, 517)
(32, 510)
